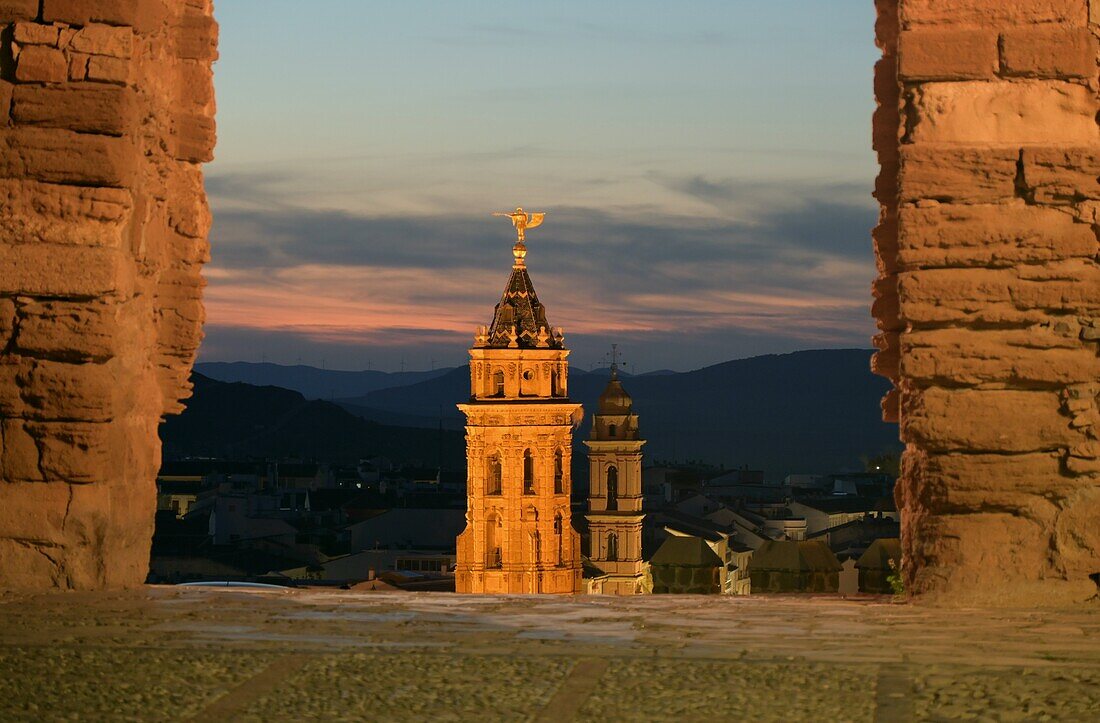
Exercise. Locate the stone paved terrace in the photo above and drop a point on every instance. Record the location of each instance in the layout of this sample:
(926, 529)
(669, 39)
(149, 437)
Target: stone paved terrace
(160, 653)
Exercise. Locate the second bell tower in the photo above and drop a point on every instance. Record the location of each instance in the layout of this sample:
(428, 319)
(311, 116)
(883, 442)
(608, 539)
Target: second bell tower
(615, 494)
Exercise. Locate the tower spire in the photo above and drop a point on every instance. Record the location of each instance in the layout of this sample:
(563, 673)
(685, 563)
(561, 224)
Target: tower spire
(519, 439)
(519, 320)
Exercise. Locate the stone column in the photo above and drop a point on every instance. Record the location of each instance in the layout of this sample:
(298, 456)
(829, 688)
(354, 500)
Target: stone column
(988, 299)
(106, 115)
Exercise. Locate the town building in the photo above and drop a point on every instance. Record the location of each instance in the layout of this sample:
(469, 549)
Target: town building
(686, 566)
(794, 566)
(519, 432)
(878, 564)
(615, 494)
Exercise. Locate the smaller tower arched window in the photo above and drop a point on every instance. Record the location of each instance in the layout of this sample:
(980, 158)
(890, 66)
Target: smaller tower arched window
(498, 383)
(559, 473)
(558, 538)
(611, 429)
(493, 559)
(494, 476)
(612, 487)
(528, 472)
(612, 547)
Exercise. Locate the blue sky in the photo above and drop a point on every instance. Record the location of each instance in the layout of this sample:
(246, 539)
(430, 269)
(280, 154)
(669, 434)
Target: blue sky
(706, 168)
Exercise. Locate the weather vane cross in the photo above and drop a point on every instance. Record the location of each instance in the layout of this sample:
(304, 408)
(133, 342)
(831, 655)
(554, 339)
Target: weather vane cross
(613, 359)
(522, 221)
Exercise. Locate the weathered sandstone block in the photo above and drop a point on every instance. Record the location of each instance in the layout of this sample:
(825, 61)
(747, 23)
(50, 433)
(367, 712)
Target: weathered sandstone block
(18, 9)
(1037, 356)
(196, 38)
(117, 42)
(107, 70)
(96, 109)
(79, 392)
(986, 13)
(79, 272)
(960, 175)
(7, 321)
(956, 550)
(51, 213)
(62, 156)
(1003, 481)
(1061, 176)
(19, 461)
(76, 452)
(73, 331)
(1076, 534)
(1023, 112)
(39, 64)
(1002, 235)
(938, 295)
(35, 34)
(885, 238)
(145, 16)
(1049, 52)
(972, 420)
(948, 54)
(49, 521)
(107, 112)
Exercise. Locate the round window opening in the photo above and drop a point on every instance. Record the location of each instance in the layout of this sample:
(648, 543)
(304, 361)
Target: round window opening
(528, 375)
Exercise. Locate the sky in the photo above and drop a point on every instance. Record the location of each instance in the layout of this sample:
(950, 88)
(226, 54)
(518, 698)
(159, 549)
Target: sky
(705, 166)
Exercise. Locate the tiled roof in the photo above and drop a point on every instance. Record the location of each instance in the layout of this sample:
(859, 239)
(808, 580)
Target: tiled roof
(687, 552)
(519, 309)
(795, 556)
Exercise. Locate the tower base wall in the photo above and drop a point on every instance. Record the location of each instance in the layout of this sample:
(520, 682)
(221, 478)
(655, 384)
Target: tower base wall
(557, 581)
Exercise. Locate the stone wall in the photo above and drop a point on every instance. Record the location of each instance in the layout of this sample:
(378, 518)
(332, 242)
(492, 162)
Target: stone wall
(988, 296)
(106, 115)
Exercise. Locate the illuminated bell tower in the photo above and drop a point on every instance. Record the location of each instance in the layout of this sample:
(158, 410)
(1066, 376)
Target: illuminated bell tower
(615, 494)
(519, 431)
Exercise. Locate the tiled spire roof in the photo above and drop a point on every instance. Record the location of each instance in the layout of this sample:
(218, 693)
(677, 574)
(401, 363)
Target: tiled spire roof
(519, 320)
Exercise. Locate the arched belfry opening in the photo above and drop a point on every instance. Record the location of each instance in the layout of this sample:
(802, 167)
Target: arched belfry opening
(612, 487)
(494, 475)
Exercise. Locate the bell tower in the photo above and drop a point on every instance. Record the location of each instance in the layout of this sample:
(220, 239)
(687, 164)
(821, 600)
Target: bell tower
(519, 431)
(615, 493)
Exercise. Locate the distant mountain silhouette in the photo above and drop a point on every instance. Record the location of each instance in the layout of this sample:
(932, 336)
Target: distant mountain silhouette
(313, 383)
(811, 411)
(236, 420)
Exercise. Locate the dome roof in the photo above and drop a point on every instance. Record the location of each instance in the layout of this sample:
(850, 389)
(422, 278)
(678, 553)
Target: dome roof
(614, 399)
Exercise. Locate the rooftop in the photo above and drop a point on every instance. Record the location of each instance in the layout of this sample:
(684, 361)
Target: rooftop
(519, 319)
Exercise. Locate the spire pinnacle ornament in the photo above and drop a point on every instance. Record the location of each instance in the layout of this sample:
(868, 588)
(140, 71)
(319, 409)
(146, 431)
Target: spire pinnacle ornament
(522, 221)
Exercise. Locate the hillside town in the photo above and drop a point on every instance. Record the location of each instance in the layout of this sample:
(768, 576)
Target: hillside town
(519, 518)
(299, 523)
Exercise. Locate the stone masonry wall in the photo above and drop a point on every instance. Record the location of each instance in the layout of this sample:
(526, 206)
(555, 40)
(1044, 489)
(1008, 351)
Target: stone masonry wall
(106, 115)
(988, 298)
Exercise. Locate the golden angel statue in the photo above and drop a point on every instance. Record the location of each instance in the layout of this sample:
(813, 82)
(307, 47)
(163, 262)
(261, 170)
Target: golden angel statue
(522, 220)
